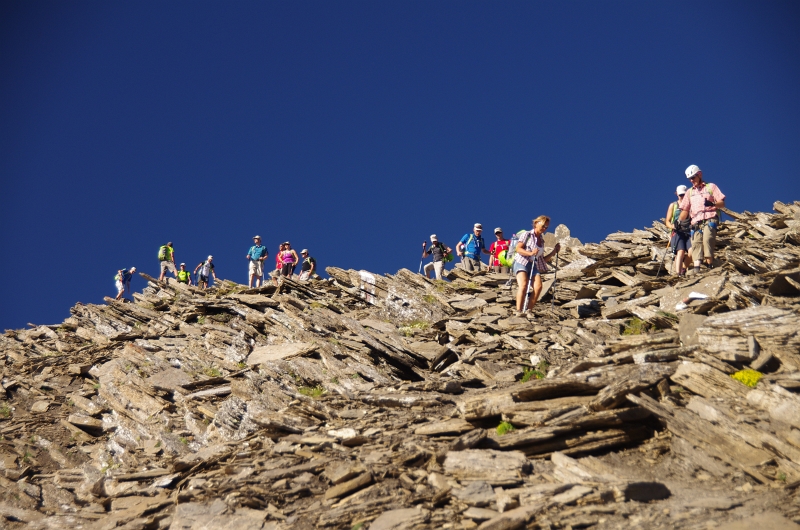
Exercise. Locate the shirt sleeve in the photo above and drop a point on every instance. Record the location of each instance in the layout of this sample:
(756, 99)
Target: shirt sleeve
(716, 193)
(464, 239)
(684, 203)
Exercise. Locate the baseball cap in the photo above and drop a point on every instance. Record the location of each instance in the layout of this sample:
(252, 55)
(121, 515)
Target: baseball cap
(256, 237)
(304, 251)
(692, 171)
(434, 238)
(498, 230)
(478, 226)
(183, 264)
(211, 257)
(133, 269)
(680, 190)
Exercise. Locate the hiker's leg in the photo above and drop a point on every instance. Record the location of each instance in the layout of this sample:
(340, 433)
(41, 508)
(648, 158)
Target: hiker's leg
(697, 247)
(537, 288)
(438, 267)
(522, 286)
(709, 243)
(678, 267)
(468, 264)
(427, 270)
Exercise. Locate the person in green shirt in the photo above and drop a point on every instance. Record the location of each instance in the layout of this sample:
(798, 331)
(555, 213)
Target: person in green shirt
(184, 276)
(166, 258)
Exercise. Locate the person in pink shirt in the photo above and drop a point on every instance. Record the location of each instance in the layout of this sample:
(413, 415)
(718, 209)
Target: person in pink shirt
(700, 204)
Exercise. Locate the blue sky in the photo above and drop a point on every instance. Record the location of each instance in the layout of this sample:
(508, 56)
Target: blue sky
(357, 129)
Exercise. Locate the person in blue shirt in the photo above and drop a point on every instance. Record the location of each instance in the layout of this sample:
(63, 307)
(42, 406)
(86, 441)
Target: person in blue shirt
(470, 248)
(256, 256)
(123, 281)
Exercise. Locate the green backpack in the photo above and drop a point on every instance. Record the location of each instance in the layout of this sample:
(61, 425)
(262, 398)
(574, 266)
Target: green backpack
(162, 253)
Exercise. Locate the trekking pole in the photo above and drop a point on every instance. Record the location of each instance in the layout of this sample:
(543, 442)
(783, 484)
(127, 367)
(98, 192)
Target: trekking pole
(663, 258)
(422, 258)
(553, 287)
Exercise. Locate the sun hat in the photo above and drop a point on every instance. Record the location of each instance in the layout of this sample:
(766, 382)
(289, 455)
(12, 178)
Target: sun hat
(498, 230)
(256, 237)
(680, 190)
(478, 226)
(434, 238)
(692, 171)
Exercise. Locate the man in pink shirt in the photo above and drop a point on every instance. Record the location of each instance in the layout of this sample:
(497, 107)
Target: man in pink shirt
(700, 205)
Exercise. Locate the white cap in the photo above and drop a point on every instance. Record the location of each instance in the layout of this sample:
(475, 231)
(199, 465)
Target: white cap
(434, 238)
(183, 264)
(478, 226)
(304, 251)
(133, 269)
(692, 171)
(680, 190)
(211, 257)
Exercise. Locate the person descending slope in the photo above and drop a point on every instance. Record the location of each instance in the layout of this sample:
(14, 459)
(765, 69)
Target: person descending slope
(700, 205)
(680, 240)
(256, 256)
(497, 247)
(184, 276)
(123, 281)
(308, 269)
(206, 269)
(529, 263)
(440, 251)
(166, 259)
(469, 248)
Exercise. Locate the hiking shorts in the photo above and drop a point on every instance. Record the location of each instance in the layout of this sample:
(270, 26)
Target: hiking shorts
(168, 266)
(681, 241)
(519, 267)
(255, 268)
(203, 279)
(120, 286)
(500, 269)
(704, 242)
(286, 269)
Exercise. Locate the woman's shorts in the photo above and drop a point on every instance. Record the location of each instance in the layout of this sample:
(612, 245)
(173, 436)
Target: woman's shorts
(119, 285)
(518, 267)
(286, 269)
(681, 241)
(202, 278)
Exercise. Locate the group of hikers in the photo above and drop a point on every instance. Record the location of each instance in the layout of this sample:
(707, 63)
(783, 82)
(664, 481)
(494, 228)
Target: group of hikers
(286, 263)
(523, 255)
(693, 220)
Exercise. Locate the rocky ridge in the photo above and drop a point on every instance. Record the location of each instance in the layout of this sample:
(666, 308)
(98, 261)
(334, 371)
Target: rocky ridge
(391, 401)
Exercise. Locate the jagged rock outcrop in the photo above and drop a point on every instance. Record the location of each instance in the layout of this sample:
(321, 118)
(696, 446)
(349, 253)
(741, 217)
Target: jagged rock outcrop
(370, 401)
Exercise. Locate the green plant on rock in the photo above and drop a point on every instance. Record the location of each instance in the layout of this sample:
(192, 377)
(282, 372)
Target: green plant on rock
(504, 428)
(5, 411)
(748, 377)
(440, 285)
(201, 319)
(210, 371)
(635, 326)
(531, 373)
(429, 298)
(335, 381)
(312, 392)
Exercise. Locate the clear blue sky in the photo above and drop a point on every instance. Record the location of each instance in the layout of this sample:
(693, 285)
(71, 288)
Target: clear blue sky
(357, 129)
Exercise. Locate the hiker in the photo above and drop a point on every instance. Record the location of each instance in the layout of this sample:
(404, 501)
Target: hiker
(439, 251)
(256, 256)
(470, 248)
(309, 268)
(206, 269)
(184, 276)
(680, 240)
(497, 247)
(278, 263)
(700, 205)
(166, 258)
(529, 262)
(289, 260)
(123, 281)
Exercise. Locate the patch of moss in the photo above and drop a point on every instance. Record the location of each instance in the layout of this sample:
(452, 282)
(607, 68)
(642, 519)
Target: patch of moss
(530, 373)
(504, 428)
(211, 371)
(312, 392)
(635, 326)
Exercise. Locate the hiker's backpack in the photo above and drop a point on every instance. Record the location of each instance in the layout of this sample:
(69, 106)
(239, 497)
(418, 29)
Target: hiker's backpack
(447, 257)
(512, 249)
(162, 253)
